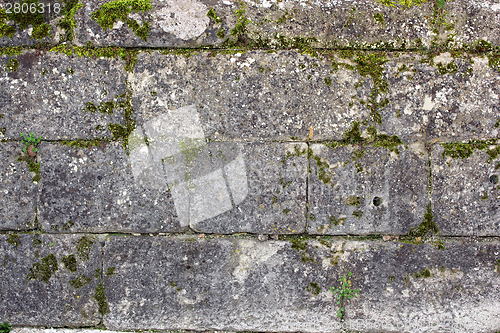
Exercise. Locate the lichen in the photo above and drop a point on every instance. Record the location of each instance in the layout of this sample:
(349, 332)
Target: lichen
(111, 12)
(44, 270)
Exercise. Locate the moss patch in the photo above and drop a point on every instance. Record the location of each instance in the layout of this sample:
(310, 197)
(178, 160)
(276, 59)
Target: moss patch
(70, 263)
(424, 273)
(12, 65)
(44, 270)
(465, 150)
(100, 297)
(84, 247)
(111, 12)
(427, 225)
(110, 271)
(14, 240)
(80, 281)
(33, 166)
(314, 288)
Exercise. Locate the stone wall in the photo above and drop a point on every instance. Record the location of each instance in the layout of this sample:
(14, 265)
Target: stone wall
(257, 166)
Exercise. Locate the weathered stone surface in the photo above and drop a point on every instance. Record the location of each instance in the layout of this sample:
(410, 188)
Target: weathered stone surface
(367, 190)
(237, 284)
(94, 190)
(48, 92)
(49, 280)
(277, 96)
(331, 23)
(466, 193)
(421, 288)
(18, 194)
(271, 192)
(221, 284)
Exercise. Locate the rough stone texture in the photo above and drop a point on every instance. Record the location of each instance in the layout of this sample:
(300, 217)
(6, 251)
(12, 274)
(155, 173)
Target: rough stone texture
(47, 93)
(333, 23)
(466, 194)
(18, 194)
(34, 296)
(275, 201)
(94, 189)
(460, 295)
(378, 192)
(237, 284)
(277, 96)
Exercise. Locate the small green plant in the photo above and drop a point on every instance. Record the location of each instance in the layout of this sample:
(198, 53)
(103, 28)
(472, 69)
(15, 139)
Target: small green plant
(345, 292)
(30, 140)
(5, 327)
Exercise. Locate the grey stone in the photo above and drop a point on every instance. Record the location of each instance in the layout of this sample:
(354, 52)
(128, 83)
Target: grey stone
(271, 24)
(270, 192)
(360, 190)
(452, 287)
(214, 284)
(49, 92)
(18, 194)
(48, 280)
(242, 284)
(466, 193)
(93, 189)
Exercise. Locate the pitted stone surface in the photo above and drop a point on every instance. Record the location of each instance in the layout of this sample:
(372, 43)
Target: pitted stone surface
(47, 95)
(37, 280)
(219, 284)
(422, 288)
(238, 284)
(273, 192)
(466, 193)
(177, 23)
(366, 190)
(18, 194)
(95, 190)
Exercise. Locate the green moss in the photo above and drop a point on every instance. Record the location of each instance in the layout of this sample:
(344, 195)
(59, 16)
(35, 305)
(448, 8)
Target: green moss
(211, 14)
(100, 297)
(84, 247)
(323, 169)
(110, 271)
(14, 240)
(66, 226)
(97, 273)
(424, 273)
(111, 12)
(70, 263)
(353, 201)
(286, 211)
(36, 242)
(427, 225)
(335, 221)
(465, 150)
(67, 21)
(5, 29)
(41, 31)
(379, 18)
(11, 50)
(44, 270)
(405, 4)
(357, 213)
(328, 81)
(314, 288)
(450, 68)
(32, 166)
(80, 281)
(80, 143)
(12, 65)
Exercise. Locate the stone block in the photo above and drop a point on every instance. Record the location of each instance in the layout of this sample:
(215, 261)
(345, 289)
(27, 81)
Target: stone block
(93, 189)
(235, 284)
(50, 280)
(219, 187)
(465, 191)
(361, 190)
(18, 194)
(60, 97)
(287, 24)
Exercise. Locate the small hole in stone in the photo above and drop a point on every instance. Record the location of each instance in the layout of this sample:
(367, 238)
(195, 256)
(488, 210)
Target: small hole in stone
(377, 201)
(188, 267)
(99, 177)
(494, 179)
